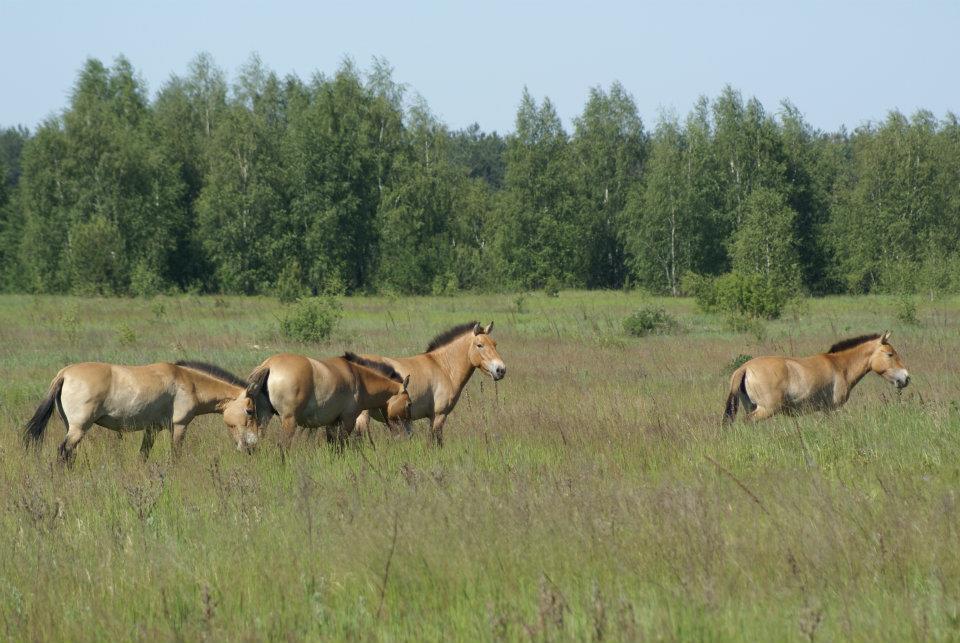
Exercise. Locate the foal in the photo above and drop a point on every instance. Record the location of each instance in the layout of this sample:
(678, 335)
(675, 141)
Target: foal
(770, 385)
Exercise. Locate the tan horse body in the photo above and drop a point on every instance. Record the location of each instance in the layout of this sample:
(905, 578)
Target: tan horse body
(438, 376)
(143, 398)
(324, 393)
(770, 385)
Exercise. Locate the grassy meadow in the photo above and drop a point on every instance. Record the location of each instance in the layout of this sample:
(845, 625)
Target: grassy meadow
(591, 494)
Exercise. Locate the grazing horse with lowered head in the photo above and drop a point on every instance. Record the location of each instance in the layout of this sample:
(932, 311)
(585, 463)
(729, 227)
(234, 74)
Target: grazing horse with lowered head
(143, 398)
(323, 393)
(440, 374)
(770, 385)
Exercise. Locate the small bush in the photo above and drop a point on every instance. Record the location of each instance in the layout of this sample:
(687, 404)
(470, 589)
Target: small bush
(289, 287)
(907, 311)
(311, 319)
(740, 323)
(737, 362)
(551, 287)
(649, 321)
(144, 282)
(126, 336)
(738, 295)
(445, 285)
(520, 303)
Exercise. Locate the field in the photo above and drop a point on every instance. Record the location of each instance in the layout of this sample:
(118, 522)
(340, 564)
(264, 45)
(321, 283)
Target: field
(591, 494)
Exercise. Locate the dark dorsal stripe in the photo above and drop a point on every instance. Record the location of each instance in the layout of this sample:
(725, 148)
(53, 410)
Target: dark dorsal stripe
(851, 342)
(384, 369)
(448, 336)
(214, 371)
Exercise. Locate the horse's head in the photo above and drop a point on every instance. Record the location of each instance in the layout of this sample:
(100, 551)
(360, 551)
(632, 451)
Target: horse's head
(398, 406)
(240, 418)
(483, 352)
(886, 362)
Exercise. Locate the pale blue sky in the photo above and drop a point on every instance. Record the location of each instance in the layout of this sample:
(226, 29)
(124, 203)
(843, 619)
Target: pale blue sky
(839, 62)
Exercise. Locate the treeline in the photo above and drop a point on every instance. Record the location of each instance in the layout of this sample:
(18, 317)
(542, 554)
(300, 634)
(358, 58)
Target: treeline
(341, 182)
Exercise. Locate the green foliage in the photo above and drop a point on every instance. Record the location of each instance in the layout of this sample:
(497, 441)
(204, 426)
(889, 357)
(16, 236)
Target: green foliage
(126, 335)
(145, 282)
(311, 319)
(739, 295)
(737, 362)
(290, 287)
(551, 287)
(649, 321)
(224, 185)
(907, 310)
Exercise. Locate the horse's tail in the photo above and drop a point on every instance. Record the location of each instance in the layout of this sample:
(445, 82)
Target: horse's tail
(37, 425)
(733, 399)
(257, 385)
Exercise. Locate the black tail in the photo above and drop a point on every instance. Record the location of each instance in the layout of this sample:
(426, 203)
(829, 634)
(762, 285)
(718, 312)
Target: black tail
(733, 400)
(257, 384)
(35, 428)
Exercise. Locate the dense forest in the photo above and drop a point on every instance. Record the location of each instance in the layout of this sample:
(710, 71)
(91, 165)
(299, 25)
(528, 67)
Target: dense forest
(346, 182)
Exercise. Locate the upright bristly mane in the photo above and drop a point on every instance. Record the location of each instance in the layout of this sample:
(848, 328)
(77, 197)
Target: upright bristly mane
(384, 369)
(852, 342)
(214, 371)
(448, 336)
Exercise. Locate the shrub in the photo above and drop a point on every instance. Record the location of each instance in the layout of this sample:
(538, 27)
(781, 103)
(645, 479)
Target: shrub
(145, 282)
(520, 303)
(289, 286)
(907, 311)
(738, 295)
(649, 321)
(551, 287)
(741, 323)
(445, 284)
(311, 319)
(737, 362)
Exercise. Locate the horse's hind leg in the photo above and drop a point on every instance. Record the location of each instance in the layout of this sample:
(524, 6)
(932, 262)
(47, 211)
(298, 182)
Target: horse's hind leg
(288, 424)
(760, 413)
(75, 433)
(147, 443)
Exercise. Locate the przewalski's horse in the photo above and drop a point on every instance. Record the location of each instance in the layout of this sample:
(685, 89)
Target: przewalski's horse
(143, 398)
(439, 374)
(322, 393)
(770, 385)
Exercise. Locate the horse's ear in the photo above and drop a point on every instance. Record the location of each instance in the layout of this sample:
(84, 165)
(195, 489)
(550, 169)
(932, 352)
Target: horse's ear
(489, 327)
(477, 329)
(406, 381)
(885, 339)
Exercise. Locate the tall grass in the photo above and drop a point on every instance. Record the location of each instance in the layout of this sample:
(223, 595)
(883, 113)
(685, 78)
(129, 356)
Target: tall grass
(592, 494)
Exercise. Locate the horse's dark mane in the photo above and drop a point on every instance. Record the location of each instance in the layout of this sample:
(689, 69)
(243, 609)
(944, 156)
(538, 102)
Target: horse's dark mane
(449, 335)
(214, 371)
(384, 369)
(851, 342)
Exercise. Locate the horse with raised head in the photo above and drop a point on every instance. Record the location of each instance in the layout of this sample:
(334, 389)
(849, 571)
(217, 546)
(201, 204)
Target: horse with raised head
(770, 385)
(324, 393)
(441, 372)
(146, 398)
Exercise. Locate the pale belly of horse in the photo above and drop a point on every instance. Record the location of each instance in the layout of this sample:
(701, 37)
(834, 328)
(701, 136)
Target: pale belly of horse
(135, 414)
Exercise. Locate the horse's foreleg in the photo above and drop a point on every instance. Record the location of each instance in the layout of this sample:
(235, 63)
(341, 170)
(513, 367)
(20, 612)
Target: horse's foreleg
(176, 439)
(362, 425)
(147, 444)
(436, 427)
(74, 434)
